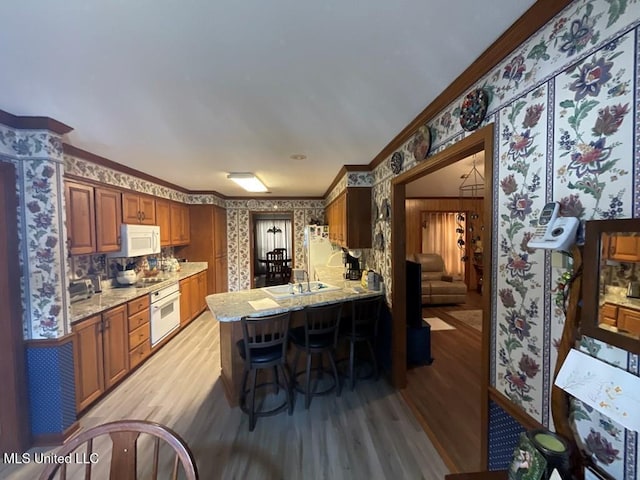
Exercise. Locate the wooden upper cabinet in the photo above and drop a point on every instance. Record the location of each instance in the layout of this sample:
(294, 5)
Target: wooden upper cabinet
(624, 248)
(163, 219)
(349, 218)
(138, 209)
(180, 223)
(108, 205)
(81, 219)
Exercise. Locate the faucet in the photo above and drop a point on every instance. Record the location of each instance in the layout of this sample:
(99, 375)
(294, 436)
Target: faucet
(300, 288)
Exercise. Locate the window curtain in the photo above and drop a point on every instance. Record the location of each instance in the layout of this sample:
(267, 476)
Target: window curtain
(439, 236)
(265, 241)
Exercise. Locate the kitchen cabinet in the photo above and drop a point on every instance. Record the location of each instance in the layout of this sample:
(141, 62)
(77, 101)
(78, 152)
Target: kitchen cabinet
(192, 297)
(163, 220)
(624, 248)
(209, 244)
(186, 311)
(180, 223)
(138, 209)
(629, 320)
(623, 318)
(349, 218)
(101, 354)
(81, 218)
(139, 329)
(108, 205)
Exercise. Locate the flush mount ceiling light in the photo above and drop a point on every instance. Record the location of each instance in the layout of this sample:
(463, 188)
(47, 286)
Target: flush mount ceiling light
(248, 181)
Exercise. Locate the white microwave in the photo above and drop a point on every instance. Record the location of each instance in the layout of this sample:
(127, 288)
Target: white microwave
(138, 240)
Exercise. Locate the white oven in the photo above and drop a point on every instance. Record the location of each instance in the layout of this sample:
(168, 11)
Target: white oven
(165, 312)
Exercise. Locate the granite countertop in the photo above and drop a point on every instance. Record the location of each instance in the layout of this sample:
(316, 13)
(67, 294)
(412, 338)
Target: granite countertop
(232, 306)
(618, 296)
(112, 297)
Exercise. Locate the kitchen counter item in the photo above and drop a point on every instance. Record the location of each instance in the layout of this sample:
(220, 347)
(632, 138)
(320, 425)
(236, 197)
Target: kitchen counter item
(80, 290)
(633, 290)
(127, 277)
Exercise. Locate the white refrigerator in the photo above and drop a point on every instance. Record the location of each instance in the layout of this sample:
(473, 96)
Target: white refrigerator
(317, 248)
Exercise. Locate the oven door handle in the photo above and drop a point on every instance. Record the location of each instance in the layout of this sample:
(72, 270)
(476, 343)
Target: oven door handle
(170, 299)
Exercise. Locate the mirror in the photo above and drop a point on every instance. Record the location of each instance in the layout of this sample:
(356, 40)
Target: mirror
(611, 282)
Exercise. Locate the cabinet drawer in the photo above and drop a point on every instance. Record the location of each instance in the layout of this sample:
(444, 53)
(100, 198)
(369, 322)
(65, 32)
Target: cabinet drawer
(629, 320)
(138, 304)
(609, 314)
(139, 335)
(138, 319)
(139, 353)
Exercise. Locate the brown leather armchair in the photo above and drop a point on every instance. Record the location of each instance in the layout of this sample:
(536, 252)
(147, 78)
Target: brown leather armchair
(437, 286)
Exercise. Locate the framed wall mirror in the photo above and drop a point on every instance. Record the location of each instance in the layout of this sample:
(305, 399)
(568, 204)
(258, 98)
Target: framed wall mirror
(611, 282)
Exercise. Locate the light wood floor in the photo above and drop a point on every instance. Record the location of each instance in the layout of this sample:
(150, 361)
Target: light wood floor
(367, 434)
(446, 394)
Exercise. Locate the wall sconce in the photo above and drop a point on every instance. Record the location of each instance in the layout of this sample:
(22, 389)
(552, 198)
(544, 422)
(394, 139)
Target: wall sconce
(248, 181)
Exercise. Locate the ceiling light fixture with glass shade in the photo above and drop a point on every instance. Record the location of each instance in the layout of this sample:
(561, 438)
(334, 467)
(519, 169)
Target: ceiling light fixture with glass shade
(472, 187)
(248, 181)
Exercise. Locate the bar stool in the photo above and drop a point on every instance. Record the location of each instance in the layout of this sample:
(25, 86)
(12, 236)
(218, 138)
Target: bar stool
(264, 346)
(317, 337)
(362, 328)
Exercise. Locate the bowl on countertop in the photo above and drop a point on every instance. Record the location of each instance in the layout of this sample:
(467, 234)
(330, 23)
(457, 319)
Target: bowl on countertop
(127, 277)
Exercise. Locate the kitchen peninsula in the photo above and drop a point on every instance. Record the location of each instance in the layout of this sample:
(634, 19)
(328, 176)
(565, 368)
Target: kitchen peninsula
(229, 308)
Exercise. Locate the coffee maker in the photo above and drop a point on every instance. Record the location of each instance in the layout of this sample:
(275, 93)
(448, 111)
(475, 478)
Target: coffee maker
(352, 265)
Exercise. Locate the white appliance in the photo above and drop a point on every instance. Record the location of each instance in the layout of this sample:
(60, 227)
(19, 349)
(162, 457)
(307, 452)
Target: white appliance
(165, 312)
(138, 240)
(317, 248)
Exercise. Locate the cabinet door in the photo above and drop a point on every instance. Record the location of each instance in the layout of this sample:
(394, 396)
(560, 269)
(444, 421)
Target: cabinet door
(195, 296)
(185, 301)
(185, 229)
(88, 361)
(115, 344)
(130, 208)
(108, 219)
(147, 206)
(220, 232)
(625, 249)
(202, 295)
(221, 275)
(163, 218)
(176, 223)
(629, 320)
(81, 219)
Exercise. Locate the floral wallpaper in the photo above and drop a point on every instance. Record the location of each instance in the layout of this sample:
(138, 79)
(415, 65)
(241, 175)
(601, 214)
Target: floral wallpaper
(239, 235)
(563, 105)
(38, 159)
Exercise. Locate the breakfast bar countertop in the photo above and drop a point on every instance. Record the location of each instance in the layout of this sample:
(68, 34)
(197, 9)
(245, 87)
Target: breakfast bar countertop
(232, 306)
(112, 297)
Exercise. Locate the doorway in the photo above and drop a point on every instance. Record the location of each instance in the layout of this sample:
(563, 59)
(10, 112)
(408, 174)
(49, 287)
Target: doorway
(270, 231)
(474, 143)
(14, 424)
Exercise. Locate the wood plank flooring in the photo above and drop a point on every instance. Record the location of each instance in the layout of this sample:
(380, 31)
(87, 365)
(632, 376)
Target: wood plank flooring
(366, 434)
(445, 395)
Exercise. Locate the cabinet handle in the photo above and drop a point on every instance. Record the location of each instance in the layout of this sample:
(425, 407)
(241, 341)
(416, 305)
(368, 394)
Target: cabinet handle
(143, 215)
(119, 240)
(106, 323)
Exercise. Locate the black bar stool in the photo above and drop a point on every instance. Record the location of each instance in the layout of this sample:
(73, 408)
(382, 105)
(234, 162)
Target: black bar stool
(317, 337)
(362, 328)
(264, 346)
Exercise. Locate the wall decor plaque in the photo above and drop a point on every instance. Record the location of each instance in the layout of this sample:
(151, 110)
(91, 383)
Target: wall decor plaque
(473, 109)
(421, 143)
(396, 162)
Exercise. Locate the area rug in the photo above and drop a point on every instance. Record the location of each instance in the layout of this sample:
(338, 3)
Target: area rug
(473, 318)
(437, 324)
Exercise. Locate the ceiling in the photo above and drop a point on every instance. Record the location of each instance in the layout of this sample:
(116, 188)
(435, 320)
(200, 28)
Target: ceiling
(188, 91)
(446, 182)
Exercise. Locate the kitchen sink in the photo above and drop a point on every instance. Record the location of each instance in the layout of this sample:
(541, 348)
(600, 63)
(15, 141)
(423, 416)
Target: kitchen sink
(291, 290)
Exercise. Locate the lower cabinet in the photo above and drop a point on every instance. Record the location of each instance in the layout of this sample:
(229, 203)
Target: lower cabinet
(623, 318)
(101, 354)
(193, 293)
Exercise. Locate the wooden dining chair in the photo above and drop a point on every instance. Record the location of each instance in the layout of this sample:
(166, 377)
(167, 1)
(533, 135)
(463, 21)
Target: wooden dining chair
(124, 463)
(276, 267)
